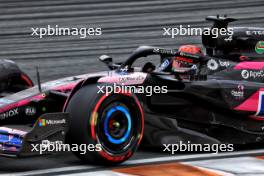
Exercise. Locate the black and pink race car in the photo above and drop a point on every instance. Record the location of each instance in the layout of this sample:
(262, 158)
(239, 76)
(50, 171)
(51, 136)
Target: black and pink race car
(212, 98)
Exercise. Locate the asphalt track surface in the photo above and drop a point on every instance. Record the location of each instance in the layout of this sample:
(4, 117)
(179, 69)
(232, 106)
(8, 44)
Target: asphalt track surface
(125, 26)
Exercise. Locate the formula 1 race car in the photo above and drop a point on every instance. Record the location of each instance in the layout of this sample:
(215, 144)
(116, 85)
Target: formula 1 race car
(173, 96)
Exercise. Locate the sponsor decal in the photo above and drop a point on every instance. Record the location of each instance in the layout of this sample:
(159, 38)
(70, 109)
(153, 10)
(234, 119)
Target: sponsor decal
(131, 78)
(238, 93)
(189, 55)
(260, 47)
(260, 111)
(124, 70)
(47, 143)
(259, 32)
(212, 64)
(45, 122)
(164, 65)
(246, 74)
(194, 67)
(124, 79)
(42, 122)
(184, 59)
(164, 51)
(30, 111)
(224, 63)
(10, 113)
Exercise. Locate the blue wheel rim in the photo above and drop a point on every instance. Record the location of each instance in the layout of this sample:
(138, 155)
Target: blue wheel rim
(128, 117)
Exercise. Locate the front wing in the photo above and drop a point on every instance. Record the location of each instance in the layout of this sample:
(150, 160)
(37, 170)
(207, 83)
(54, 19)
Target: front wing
(18, 141)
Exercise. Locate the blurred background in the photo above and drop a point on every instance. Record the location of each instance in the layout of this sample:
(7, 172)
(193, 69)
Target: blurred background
(125, 26)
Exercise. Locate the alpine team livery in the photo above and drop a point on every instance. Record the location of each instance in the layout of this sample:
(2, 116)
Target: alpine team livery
(217, 97)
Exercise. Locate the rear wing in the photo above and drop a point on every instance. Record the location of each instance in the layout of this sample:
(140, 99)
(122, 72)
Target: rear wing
(220, 22)
(245, 42)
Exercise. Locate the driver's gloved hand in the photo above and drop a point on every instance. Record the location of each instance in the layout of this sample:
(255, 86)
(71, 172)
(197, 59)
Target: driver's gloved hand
(148, 67)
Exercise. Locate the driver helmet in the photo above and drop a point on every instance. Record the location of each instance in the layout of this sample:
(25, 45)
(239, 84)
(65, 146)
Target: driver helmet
(182, 62)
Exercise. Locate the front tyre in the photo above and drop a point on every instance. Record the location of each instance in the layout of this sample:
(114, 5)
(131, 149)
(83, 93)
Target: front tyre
(113, 124)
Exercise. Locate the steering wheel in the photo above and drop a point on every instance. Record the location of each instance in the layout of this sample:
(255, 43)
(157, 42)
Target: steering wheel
(148, 67)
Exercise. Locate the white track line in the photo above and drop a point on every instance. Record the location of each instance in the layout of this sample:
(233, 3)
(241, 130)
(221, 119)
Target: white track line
(143, 161)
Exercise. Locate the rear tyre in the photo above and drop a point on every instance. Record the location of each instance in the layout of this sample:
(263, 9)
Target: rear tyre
(111, 125)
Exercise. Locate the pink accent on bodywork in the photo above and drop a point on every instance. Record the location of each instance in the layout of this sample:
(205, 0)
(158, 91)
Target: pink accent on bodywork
(250, 104)
(249, 65)
(21, 103)
(130, 79)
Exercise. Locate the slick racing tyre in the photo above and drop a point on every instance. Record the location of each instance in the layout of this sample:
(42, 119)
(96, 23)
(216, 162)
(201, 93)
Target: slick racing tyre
(12, 79)
(112, 123)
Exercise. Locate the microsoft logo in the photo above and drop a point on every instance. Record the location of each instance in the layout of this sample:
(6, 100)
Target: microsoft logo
(42, 122)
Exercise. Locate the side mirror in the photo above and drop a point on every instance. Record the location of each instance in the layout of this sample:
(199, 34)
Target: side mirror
(109, 62)
(106, 59)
